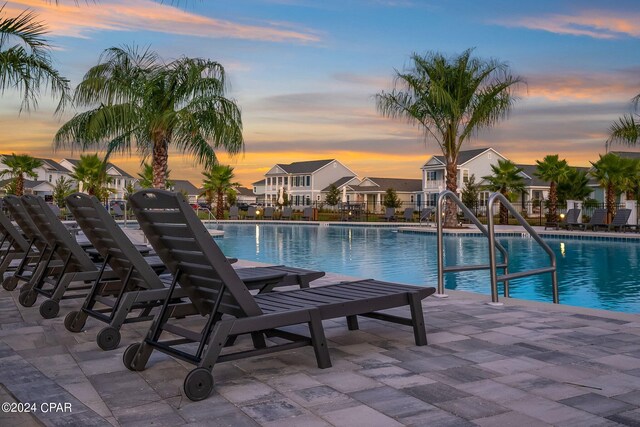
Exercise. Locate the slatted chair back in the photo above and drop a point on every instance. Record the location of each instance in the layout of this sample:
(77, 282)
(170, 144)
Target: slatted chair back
(286, 213)
(572, 215)
(307, 214)
(251, 213)
(621, 217)
(57, 235)
(22, 218)
(408, 214)
(116, 210)
(12, 234)
(268, 212)
(234, 212)
(112, 243)
(390, 214)
(425, 215)
(599, 216)
(190, 253)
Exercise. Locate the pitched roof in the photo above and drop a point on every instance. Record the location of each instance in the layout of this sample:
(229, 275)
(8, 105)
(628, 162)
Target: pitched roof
(244, 191)
(398, 184)
(627, 154)
(304, 167)
(261, 182)
(182, 185)
(465, 156)
(27, 183)
(339, 182)
(121, 171)
(55, 165)
(532, 180)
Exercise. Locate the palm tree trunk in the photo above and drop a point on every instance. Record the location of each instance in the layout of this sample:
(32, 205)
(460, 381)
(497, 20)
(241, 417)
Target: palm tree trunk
(553, 203)
(452, 185)
(611, 202)
(504, 212)
(159, 161)
(220, 205)
(19, 185)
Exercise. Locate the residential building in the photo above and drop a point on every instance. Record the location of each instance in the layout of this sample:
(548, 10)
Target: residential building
(371, 190)
(475, 162)
(120, 178)
(187, 188)
(259, 190)
(37, 188)
(304, 182)
(245, 195)
(48, 173)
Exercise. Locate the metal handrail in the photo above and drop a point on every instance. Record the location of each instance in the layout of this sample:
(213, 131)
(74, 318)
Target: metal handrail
(209, 214)
(447, 194)
(492, 253)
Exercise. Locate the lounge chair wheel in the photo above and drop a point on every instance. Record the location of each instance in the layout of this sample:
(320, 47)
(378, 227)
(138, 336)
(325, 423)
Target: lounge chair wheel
(49, 309)
(27, 298)
(10, 283)
(108, 338)
(198, 384)
(72, 323)
(129, 356)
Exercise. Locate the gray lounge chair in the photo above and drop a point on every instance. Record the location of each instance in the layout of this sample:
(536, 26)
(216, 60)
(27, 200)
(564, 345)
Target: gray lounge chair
(570, 219)
(139, 288)
(307, 214)
(425, 215)
(251, 213)
(116, 211)
(618, 223)
(15, 249)
(268, 212)
(598, 219)
(234, 212)
(287, 213)
(229, 310)
(408, 215)
(390, 214)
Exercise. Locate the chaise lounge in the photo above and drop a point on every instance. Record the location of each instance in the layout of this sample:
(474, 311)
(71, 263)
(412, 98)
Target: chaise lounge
(229, 310)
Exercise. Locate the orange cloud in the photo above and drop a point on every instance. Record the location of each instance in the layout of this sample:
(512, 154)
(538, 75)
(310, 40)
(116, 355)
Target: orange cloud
(593, 87)
(598, 24)
(121, 15)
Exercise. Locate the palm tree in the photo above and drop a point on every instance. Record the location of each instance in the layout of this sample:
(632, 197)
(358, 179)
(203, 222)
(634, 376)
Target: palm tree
(18, 166)
(91, 174)
(627, 128)
(62, 189)
(25, 62)
(552, 170)
(575, 186)
(218, 181)
(152, 105)
(146, 177)
(451, 99)
(610, 171)
(506, 179)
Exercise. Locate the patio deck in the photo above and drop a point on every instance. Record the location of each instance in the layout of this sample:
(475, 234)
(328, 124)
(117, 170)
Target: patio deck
(524, 364)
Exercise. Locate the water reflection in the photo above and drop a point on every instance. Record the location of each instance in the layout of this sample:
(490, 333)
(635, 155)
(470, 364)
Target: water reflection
(590, 273)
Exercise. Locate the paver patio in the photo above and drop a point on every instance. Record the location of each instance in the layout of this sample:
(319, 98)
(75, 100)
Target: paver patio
(523, 364)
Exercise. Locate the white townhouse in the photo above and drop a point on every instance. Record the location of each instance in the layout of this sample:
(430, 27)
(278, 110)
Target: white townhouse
(259, 189)
(245, 195)
(304, 182)
(48, 174)
(470, 162)
(120, 178)
(371, 190)
(187, 188)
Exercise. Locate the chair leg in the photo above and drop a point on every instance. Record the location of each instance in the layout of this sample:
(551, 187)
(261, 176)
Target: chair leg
(318, 340)
(258, 340)
(352, 323)
(217, 341)
(417, 318)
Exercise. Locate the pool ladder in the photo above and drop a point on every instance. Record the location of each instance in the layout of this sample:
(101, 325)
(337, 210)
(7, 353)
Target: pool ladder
(489, 232)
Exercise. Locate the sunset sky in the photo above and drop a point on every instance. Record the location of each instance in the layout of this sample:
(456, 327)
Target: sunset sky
(304, 72)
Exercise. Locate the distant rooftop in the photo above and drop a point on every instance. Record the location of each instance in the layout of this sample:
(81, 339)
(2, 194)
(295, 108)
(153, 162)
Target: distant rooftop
(398, 184)
(465, 156)
(182, 185)
(304, 167)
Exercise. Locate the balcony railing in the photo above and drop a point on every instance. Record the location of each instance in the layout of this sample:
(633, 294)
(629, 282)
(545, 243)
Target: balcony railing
(437, 184)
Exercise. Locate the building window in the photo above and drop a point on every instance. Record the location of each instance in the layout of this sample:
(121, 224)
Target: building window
(308, 200)
(412, 198)
(50, 178)
(286, 180)
(279, 180)
(465, 175)
(318, 197)
(431, 176)
(308, 180)
(296, 181)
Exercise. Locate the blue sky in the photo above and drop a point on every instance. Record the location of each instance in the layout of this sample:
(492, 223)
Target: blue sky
(304, 72)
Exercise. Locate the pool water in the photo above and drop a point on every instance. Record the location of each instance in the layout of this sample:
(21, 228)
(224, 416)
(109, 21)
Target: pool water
(594, 274)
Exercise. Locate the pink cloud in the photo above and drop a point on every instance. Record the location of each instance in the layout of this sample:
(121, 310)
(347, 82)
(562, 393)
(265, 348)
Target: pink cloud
(120, 15)
(594, 23)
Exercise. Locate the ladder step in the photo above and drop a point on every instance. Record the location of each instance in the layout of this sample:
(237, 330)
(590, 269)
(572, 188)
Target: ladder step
(454, 268)
(527, 273)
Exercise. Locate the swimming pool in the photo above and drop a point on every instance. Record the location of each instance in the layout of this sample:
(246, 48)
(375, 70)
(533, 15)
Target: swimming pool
(594, 274)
